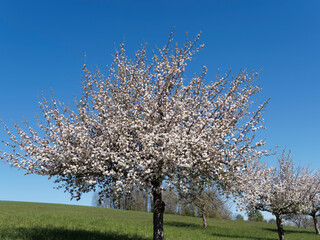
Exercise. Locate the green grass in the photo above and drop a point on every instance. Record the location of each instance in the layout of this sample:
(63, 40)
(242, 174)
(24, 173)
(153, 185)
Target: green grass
(39, 221)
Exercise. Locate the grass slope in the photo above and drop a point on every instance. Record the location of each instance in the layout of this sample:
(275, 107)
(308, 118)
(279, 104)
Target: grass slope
(39, 221)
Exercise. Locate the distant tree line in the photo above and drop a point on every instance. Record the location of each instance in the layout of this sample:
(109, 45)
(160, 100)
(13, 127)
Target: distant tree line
(300, 220)
(216, 204)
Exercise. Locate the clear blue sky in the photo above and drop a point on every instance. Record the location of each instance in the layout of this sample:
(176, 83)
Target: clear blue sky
(42, 45)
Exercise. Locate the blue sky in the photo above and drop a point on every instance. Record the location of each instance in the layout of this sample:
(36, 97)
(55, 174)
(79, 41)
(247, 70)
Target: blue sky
(42, 46)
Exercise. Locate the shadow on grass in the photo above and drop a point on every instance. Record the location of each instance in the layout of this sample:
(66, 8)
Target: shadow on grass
(63, 234)
(227, 235)
(299, 230)
(233, 236)
(182, 224)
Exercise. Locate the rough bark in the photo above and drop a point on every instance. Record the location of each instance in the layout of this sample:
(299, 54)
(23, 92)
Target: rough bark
(280, 227)
(203, 214)
(315, 222)
(158, 211)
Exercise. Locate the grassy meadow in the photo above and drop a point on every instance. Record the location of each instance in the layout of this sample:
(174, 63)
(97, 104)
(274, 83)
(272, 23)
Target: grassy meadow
(39, 221)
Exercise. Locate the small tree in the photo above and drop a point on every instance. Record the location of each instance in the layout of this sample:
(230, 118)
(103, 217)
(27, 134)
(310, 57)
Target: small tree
(278, 190)
(255, 216)
(298, 219)
(206, 199)
(141, 125)
(272, 221)
(172, 201)
(239, 217)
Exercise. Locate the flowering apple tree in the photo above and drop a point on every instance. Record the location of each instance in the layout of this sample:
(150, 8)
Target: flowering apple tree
(141, 125)
(279, 190)
(312, 193)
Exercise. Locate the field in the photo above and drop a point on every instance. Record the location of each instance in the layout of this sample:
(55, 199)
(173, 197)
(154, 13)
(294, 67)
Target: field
(38, 221)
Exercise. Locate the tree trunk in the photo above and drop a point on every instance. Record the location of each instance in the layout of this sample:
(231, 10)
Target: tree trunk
(315, 222)
(280, 227)
(203, 214)
(158, 211)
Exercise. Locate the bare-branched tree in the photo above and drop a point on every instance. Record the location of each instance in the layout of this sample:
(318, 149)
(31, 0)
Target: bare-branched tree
(206, 199)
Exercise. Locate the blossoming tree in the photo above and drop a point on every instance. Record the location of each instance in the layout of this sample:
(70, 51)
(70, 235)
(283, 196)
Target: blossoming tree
(279, 190)
(141, 125)
(312, 188)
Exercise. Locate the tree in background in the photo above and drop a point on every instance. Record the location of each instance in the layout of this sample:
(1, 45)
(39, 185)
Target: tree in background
(272, 221)
(279, 190)
(172, 201)
(239, 217)
(206, 200)
(298, 219)
(312, 186)
(142, 124)
(255, 216)
(141, 201)
(132, 200)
